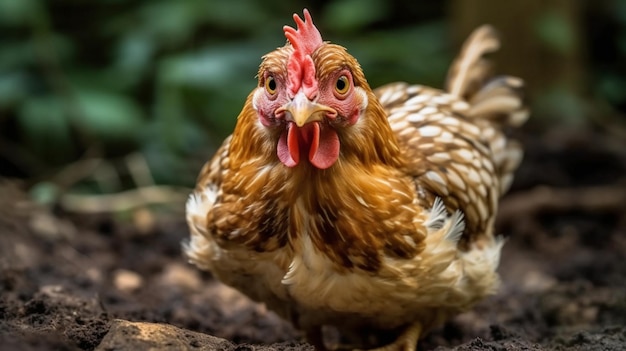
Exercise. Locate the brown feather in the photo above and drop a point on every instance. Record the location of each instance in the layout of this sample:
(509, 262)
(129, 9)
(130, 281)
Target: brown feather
(468, 71)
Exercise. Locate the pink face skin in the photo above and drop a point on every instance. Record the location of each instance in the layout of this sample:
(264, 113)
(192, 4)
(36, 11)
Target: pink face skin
(308, 125)
(344, 102)
(269, 97)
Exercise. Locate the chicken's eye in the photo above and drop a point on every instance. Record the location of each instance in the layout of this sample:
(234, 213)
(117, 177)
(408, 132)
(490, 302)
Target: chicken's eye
(342, 85)
(270, 85)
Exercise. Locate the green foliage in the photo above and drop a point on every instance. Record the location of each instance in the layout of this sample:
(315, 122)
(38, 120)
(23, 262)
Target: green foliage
(354, 15)
(555, 31)
(562, 107)
(44, 193)
(167, 77)
(16, 13)
(44, 124)
(610, 74)
(107, 116)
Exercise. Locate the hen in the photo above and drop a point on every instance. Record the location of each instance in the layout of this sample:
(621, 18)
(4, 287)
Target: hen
(371, 211)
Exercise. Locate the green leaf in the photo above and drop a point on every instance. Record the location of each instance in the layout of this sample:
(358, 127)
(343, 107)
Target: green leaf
(169, 21)
(414, 54)
(108, 115)
(249, 15)
(218, 67)
(562, 106)
(613, 88)
(554, 30)
(134, 54)
(44, 193)
(44, 123)
(167, 165)
(16, 54)
(17, 12)
(352, 15)
(12, 88)
(20, 53)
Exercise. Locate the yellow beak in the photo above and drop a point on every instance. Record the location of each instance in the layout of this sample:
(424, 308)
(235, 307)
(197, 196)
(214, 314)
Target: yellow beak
(301, 110)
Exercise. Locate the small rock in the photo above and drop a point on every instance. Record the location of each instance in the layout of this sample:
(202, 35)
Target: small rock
(46, 225)
(127, 281)
(183, 276)
(144, 221)
(94, 275)
(129, 336)
(536, 281)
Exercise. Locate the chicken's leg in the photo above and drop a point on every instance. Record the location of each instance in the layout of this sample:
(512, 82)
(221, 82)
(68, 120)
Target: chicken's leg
(315, 337)
(407, 341)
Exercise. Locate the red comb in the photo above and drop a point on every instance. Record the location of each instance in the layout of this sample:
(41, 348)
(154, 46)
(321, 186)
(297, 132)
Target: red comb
(300, 68)
(307, 38)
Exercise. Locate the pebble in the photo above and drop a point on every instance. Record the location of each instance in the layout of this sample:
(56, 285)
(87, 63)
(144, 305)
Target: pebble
(127, 281)
(183, 276)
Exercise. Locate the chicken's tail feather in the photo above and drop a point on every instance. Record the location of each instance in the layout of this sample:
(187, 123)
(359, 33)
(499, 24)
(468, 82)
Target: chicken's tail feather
(467, 73)
(497, 99)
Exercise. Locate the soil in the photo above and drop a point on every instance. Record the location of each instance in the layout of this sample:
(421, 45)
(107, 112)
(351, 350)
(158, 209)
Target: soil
(65, 278)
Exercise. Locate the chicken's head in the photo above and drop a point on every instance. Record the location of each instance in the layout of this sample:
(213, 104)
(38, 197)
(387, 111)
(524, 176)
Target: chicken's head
(308, 92)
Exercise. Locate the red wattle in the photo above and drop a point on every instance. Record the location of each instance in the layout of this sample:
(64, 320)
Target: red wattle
(321, 142)
(324, 150)
(288, 150)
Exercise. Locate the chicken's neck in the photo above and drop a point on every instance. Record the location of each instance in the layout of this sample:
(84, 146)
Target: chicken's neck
(350, 207)
(348, 212)
(371, 141)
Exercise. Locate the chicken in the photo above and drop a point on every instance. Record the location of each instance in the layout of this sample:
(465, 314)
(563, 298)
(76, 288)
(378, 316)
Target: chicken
(370, 211)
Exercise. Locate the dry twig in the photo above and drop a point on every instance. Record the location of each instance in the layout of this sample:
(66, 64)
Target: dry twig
(123, 201)
(541, 199)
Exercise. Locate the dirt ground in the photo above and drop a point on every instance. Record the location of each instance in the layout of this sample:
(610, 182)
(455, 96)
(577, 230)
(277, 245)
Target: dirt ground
(64, 278)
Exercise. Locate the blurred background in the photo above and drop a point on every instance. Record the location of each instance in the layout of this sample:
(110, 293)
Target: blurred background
(103, 96)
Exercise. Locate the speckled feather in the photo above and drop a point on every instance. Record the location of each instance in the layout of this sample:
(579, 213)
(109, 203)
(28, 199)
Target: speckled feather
(399, 230)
